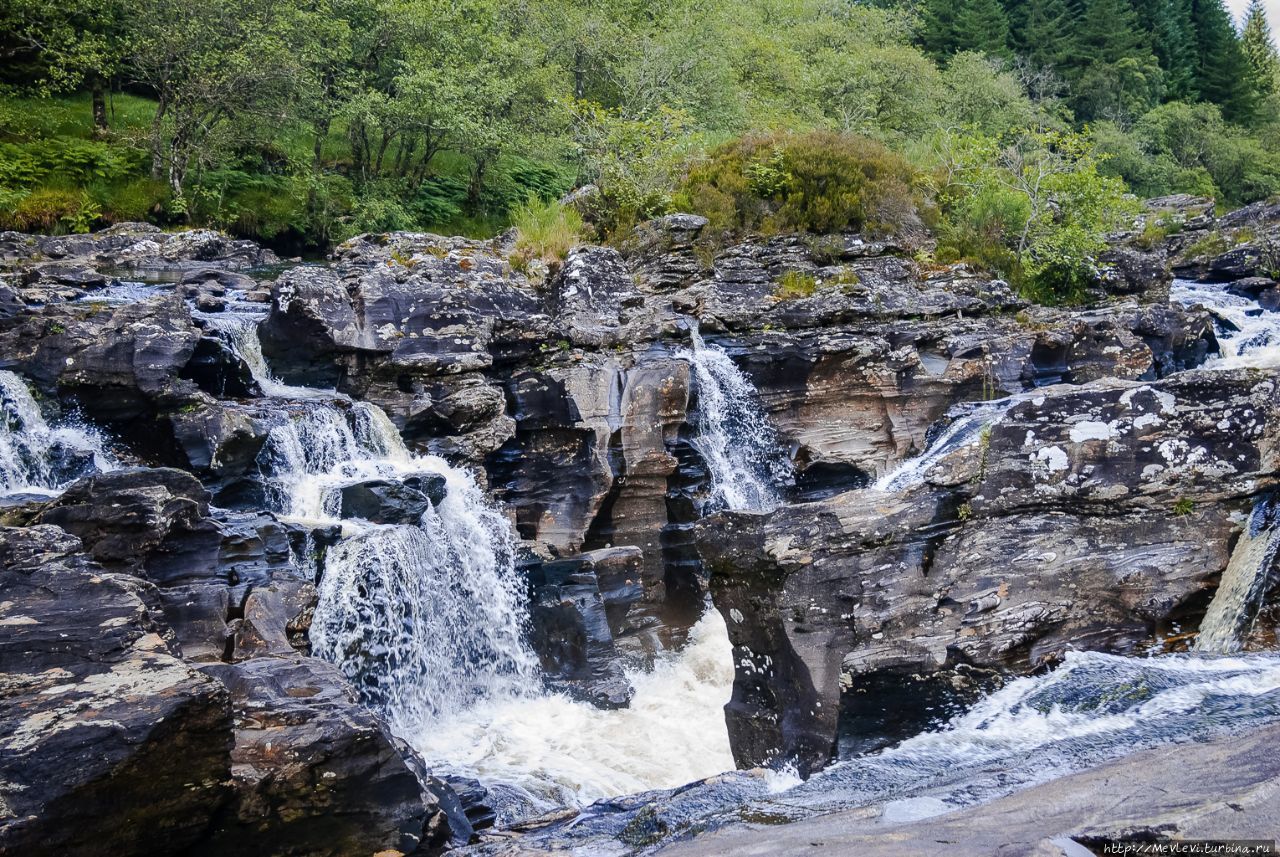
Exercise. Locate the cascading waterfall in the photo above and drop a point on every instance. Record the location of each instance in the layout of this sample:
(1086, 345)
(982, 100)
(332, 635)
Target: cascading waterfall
(1248, 335)
(966, 429)
(428, 623)
(1244, 583)
(734, 437)
(36, 458)
(428, 620)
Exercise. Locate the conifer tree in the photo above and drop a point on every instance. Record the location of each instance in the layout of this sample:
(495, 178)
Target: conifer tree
(950, 26)
(1046, 37)
(1109, 32)
(1260, 49)
(1173, 42)
(1222, 71)
(981, 25)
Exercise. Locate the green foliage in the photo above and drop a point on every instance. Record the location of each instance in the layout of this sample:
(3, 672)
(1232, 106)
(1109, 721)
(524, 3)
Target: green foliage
(301, 123)
(1184, 506)
(795, 284)
(818, 182)
(1036, 210)
(1260, 49)
(545, 230)
(54, 210)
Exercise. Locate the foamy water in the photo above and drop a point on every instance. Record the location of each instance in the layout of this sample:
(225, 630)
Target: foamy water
(547, 751)
(1254, 343)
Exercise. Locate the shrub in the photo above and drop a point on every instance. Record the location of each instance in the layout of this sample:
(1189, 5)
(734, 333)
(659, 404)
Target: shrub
(56, 210)
(816, 182)
(546, 231)
(139, 200)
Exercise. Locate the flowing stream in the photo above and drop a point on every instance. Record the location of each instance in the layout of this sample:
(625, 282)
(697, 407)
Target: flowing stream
(35, 457)
(428, 621)
(745, 462)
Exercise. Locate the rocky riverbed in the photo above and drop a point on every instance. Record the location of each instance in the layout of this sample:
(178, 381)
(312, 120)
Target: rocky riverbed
(412, 550)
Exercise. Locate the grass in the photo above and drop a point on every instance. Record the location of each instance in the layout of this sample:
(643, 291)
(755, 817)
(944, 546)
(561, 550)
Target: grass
(545, 231)
(1212, 244)
(795, 284)
(58, 175)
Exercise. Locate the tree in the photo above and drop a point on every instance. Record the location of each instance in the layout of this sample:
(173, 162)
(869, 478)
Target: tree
(1046, 38)
(1041, 197)
(1222, 70)
(949, 26)
(982, 26)
(1173, 42)
(1114, 73)
(1260, 49)
(221, 70)
(61, 46)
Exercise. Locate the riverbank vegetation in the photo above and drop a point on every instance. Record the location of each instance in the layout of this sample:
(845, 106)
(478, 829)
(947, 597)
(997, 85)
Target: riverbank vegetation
(1015, 128)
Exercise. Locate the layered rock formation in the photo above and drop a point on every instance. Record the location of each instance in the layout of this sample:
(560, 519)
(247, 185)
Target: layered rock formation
(1095, 513)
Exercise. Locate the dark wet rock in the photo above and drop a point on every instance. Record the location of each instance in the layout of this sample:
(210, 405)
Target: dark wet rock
(313, 772)
(384, 501)
(111, 743)
(474, 798)
(275, 619)
(115, 362)
(219, 371)
(1132, 271)
(221, 440)
(123, 515)
(571, 631)
(1117, 501)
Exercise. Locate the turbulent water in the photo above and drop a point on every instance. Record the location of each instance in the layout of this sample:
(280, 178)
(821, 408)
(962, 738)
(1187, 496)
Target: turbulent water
(541, 752)
(428, 621)
(1248, 335)
(966, 428)
(1092, 708)
(35, 457)
(734, 437)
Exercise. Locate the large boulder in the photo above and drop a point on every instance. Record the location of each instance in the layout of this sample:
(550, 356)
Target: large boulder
(123, 515)
(1091, 518)
(314, 773)
(111, 744)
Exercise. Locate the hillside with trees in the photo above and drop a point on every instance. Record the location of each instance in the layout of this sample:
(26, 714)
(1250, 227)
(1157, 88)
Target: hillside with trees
(300, 124)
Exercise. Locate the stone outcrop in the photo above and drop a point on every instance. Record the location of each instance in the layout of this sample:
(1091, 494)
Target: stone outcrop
(111, 743)
(159, 698)
(1094, 514)
(1090, 518)
(1225, 791)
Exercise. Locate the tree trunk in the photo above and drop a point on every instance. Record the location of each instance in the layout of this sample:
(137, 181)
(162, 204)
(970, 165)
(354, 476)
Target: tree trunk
(99, 106)
(157, 140)
(317, 154)
(178, 171)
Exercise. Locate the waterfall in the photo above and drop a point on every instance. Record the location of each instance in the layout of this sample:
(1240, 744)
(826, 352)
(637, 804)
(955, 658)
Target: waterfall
(1244, 583)
(424, 619)
(1248, 335)
(239, 330)
(734, 437)
(312, 456)
(36, 458)
(966, 429)
(428, 620)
